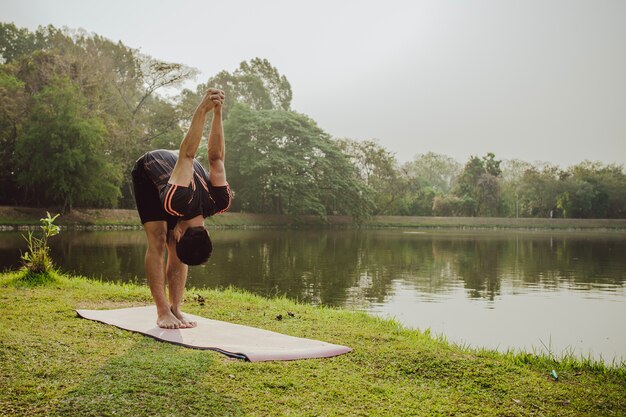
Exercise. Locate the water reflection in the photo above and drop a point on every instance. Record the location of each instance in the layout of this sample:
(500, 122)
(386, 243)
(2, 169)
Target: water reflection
(356, 267)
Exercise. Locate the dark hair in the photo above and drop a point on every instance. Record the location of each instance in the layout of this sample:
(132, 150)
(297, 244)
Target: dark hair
(195, 247)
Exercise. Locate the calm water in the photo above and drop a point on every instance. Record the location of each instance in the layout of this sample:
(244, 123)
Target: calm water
(519, 290)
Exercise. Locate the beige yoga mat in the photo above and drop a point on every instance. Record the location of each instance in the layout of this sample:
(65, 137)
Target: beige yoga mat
(234, 340)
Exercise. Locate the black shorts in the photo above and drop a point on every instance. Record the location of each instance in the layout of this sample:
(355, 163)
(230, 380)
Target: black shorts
(148, 201)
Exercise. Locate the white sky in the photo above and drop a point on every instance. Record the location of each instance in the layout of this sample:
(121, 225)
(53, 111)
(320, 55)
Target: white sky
(538, 80)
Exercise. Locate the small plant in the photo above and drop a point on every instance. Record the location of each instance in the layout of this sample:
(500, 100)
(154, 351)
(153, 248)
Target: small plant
(37, 260)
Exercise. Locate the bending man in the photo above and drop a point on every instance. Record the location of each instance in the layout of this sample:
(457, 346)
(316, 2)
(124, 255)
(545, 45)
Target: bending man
(174, 193)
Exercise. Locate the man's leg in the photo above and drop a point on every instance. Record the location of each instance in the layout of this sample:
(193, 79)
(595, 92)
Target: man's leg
(176, 273)
(156, 233)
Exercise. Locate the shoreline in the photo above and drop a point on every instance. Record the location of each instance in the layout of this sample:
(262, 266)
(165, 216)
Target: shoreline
(62, 364)
(22, 218)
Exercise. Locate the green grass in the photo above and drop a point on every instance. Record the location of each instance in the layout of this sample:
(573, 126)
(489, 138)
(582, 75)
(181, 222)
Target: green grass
(54, 363)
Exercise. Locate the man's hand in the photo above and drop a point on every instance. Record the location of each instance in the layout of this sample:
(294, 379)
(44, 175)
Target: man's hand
(219, 101)
(213, 99)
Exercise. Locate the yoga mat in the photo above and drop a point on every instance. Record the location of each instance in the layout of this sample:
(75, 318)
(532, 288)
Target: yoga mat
(234, 340)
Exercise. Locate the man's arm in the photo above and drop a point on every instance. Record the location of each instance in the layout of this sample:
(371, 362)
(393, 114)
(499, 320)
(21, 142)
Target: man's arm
(183, 170)
(216, 147)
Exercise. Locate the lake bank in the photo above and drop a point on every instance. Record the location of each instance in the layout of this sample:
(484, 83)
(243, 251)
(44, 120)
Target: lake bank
(59, 364)
(12, 218)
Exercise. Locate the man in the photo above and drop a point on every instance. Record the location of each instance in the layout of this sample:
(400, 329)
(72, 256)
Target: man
(174, 193)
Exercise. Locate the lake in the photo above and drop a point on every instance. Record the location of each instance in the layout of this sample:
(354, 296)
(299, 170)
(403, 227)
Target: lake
(521, 290)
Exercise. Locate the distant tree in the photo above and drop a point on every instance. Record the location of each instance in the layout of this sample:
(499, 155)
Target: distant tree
(451, 205)
(420, 200)
(434, 170)
(60, 157)
(593, 190)
(377, 168)
(488, 195)
(538, 191)
(510, 180)
(429, 175)
(478, 182)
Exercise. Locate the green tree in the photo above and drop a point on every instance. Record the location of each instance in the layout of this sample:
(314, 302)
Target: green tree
(451, 205)
(119, 85)
(377, 168)
(429, 175)
(478, 184)
(255, 83)
(538, 191)
(13, 104)
(281, 162)
(16, 42)
(275, 86)
(510, 181)
(60, 156)
(434, 170)
(593, 190)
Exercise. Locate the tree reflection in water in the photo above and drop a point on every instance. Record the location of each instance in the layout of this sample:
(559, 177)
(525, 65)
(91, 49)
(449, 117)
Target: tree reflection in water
(339, 267)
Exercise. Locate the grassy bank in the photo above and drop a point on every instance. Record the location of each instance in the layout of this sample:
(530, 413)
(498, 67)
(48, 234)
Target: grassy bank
(54, 363)
(25, 216)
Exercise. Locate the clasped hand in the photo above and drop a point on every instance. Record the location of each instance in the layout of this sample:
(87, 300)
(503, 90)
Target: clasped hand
(213, 100)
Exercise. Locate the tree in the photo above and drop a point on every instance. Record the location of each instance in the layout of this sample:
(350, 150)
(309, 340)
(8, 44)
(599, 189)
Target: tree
(434, 170)
(428, 176)
(60, 155)
(274, 85)
(478, 183)
(16, 42)
(120, 86)
(451, 205)
(593, 190)
(510, 179)
(13, 103)
(256, 83)
(538, 191)
(283, 163)
(378, 169)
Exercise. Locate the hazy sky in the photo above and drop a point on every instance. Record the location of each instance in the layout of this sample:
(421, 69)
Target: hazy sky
(535, 80)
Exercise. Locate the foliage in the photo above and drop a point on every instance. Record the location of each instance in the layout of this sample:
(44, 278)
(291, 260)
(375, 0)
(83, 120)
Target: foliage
(256, 83)
(16, 42)
(13, 102)
(538, 191)
(428, 177)
(593, 190)
(281, 162)
(451, 205)
(510, 182)
(37, 259)
(116, 85)
(478, 186)
(60, 155)
(434, 170)
(377, 168)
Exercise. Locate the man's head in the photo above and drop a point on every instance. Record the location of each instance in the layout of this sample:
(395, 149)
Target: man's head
(194, 247)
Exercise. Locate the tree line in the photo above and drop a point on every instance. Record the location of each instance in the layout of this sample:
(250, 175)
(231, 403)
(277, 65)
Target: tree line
(77, 110)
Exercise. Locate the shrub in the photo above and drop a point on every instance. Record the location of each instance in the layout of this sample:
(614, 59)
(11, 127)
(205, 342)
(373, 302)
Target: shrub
(37, 260)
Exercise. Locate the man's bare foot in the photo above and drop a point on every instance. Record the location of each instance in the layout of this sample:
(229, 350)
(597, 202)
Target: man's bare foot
(169, 321)
(185, 322)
